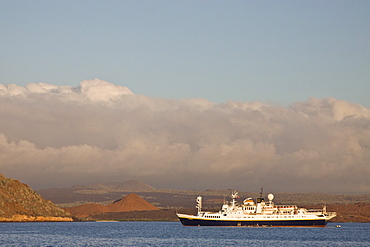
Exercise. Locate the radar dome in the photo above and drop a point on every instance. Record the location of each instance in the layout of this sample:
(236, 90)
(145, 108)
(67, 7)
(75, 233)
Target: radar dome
(270, 197)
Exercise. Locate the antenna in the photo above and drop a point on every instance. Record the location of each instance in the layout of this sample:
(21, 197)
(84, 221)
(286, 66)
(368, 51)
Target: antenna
(261, 192)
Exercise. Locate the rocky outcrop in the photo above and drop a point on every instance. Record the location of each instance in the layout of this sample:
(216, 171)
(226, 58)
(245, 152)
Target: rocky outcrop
(18, 202)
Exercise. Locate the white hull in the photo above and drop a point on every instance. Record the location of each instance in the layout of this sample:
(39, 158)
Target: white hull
(257, 214)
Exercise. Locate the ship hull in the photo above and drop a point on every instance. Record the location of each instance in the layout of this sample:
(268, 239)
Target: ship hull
(280, 223)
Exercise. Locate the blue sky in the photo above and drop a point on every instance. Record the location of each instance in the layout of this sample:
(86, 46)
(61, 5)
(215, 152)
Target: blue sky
(274, 51)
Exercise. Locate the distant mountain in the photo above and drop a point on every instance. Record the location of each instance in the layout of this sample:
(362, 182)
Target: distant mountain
(18, 202)
(131, 185)
(129, 203)
(97, 192)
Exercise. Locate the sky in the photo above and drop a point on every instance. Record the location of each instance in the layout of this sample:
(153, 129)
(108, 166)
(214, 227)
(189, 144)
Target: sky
(276, 51)
(187, 94)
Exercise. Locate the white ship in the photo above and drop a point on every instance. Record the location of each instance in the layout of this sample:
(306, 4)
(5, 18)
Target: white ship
(257, 213)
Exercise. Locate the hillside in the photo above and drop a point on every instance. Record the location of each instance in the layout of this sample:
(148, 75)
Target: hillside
(129, 203)
(18, 202)
(348, 206)
(86, 210)
(359, 212)
(105, 193)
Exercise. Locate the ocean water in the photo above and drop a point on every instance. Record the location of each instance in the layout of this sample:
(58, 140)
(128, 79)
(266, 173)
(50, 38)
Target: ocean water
(174, 234)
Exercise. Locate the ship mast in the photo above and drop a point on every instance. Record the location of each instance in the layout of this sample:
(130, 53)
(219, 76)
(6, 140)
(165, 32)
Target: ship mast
(234, 195)
(260, 202)
(199, 204)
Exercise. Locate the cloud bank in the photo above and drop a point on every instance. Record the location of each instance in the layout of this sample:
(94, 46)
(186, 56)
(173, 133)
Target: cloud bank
(54, 136)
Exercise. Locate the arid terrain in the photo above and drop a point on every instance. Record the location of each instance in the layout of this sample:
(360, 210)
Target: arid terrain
(18, 202)
(349, 208)
(129, 203)
(135, 200)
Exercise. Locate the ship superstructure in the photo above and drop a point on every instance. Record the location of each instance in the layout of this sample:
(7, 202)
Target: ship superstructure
(257, 213)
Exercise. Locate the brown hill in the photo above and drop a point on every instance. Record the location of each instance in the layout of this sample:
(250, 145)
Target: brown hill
(129, 203)
(359, 212)
(132, 202)
(85, 210)
(18, 202)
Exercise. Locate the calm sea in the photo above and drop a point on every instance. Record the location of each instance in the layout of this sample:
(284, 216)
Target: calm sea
(174, 234)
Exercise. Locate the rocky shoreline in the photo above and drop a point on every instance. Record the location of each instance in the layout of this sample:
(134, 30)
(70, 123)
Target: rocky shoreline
(26, 218)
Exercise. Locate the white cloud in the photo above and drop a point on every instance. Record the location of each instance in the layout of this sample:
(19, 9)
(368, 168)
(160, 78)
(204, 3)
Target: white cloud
(41, 87)
(98, 90)
(94, 90)
(60, 136)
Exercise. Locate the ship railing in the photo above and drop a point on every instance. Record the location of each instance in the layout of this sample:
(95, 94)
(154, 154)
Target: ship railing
(314, 210)
(286, 206)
